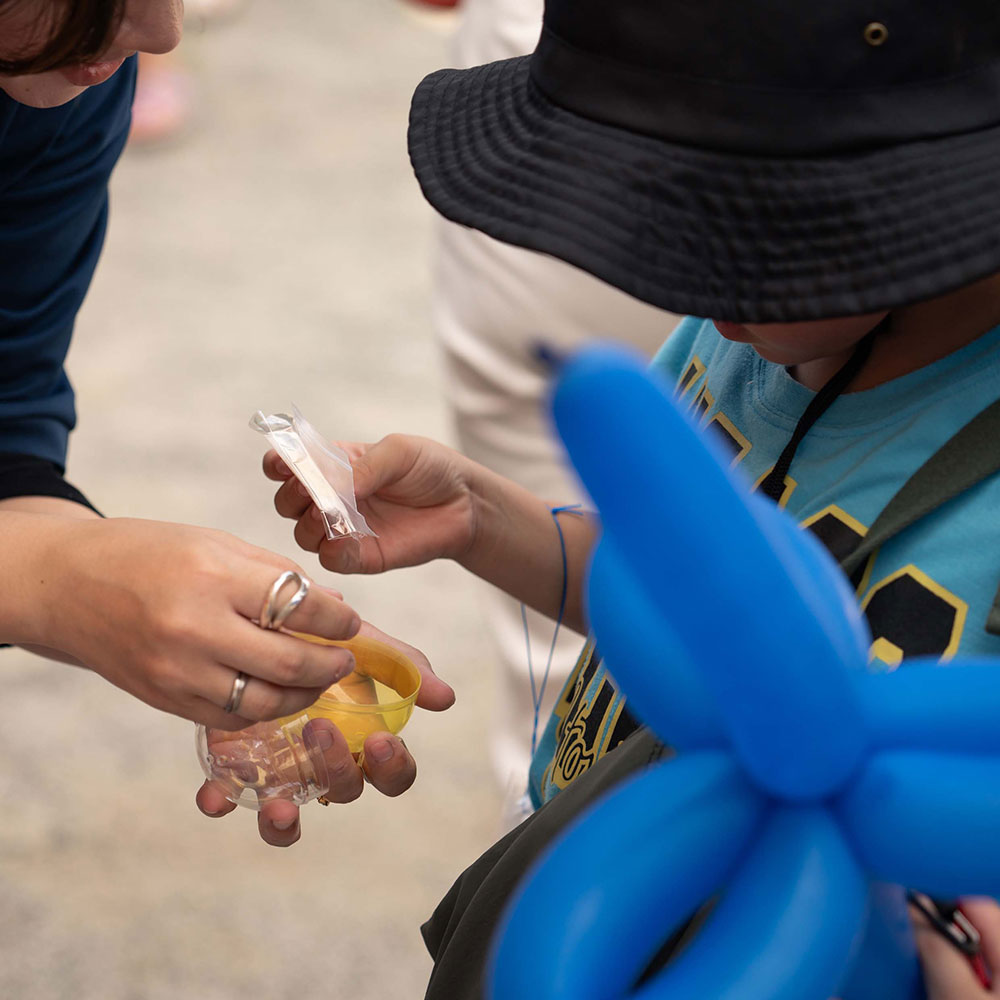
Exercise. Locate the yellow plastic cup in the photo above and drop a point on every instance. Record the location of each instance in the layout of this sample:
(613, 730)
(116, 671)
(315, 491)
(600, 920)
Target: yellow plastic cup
(377, 697)
(272, 759)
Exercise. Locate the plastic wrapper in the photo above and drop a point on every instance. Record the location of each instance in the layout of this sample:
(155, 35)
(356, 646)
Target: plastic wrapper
(322, 468)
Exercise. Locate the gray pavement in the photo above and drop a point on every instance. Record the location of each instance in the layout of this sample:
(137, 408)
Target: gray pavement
(277, 253)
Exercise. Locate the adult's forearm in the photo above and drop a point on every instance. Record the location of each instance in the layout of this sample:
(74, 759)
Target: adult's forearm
(30, 532)
(517, 548)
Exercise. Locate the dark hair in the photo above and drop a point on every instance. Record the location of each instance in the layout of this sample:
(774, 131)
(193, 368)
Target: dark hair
(67, 32)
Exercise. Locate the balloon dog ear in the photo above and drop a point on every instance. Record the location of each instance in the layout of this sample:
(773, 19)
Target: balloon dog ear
(737, 590)
(647, 658)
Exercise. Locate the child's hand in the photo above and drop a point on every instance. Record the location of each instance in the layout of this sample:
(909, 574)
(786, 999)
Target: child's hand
(416, 494)
(426, 502)
(387, 763)
(947, 973)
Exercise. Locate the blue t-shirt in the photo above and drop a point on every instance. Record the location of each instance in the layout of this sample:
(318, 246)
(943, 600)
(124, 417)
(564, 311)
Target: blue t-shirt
(928, 591)
(54, 170)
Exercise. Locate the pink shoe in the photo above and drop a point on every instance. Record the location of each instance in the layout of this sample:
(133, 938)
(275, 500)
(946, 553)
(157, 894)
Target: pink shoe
(162, 104)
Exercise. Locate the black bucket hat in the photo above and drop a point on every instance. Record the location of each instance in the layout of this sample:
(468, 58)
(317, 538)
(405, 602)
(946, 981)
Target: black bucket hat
(745, 160)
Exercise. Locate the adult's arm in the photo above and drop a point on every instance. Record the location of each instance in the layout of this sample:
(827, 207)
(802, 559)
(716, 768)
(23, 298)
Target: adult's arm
(49, 504)
(54, 171)
(164, 611)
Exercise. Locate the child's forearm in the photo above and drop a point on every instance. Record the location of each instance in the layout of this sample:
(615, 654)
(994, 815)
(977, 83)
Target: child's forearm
(517, 548)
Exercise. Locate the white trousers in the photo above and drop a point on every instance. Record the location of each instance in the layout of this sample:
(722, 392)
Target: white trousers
(493, 304)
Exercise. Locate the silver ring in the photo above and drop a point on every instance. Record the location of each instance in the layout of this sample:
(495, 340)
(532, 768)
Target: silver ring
(236, 695)
(272, 618)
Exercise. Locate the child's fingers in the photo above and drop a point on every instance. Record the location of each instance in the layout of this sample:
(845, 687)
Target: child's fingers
(388, 764)
(292, 500)
(435, 695)
(947, 972)
(354, 449)
(275, 468)
(278, 823)
(382, 463)
(309, 531)
(212, 802)
(984, 913)
(345, 782)
(340, 555)
(351, 555)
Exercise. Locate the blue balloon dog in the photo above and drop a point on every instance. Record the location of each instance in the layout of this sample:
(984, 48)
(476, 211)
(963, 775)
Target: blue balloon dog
(805, 790)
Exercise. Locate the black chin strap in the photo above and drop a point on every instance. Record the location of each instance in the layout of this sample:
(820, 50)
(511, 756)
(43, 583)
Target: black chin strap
(773, 485)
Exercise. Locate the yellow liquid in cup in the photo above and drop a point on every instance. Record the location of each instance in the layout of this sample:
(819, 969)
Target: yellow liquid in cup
(377, 697)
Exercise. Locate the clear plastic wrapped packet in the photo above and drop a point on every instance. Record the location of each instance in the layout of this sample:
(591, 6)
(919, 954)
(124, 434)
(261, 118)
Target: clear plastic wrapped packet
(322, 468)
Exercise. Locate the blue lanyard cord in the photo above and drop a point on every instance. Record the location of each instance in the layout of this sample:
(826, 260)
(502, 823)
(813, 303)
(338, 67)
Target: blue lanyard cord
(538, 693)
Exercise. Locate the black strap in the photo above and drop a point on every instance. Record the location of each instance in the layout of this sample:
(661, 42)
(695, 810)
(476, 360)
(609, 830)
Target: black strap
(968, 457)
(773, 485)
(993, 618)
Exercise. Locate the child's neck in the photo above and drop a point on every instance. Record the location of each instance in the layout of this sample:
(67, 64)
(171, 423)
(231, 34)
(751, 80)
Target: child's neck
(919, 335)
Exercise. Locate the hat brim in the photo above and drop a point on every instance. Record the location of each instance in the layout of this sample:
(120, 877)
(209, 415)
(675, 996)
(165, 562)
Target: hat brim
(702, 232)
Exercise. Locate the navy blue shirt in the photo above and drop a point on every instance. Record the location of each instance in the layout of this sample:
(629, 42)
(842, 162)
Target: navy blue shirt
(54, 170)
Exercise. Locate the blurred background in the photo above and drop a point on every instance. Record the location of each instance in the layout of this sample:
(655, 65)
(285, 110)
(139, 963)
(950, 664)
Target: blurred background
(271, 248)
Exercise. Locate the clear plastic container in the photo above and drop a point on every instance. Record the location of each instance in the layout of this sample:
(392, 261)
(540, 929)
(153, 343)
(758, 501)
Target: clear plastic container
(272, 760)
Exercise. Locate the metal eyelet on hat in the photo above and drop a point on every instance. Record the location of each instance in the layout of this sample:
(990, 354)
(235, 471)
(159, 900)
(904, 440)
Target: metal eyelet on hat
(876, 34)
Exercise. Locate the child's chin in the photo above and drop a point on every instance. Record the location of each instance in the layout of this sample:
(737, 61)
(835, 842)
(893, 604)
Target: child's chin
(732, 331)
(739, 334)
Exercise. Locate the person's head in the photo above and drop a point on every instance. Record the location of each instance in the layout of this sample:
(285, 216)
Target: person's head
(759, 162)
(53, 50)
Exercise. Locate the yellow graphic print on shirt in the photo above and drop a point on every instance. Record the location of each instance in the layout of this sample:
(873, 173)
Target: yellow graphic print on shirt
(591, 721)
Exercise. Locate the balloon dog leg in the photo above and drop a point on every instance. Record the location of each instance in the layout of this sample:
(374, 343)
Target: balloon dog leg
(611, 886)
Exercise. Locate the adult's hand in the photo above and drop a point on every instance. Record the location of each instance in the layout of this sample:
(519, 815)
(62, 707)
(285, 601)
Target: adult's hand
(386, 762)
(164, 611)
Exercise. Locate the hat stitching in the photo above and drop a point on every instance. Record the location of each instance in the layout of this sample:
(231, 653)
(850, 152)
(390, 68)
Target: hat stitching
(835, 215)
(595, 244)
(765, 88)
